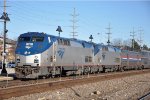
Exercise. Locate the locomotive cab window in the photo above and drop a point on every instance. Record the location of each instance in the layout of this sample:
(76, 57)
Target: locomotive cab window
(37, 39)
(24, 39)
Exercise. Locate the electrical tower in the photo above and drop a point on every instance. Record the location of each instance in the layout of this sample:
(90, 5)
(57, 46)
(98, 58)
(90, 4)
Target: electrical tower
(74, 21)
(140, 39)
(133, 38)
(109, 28)
(4, 18)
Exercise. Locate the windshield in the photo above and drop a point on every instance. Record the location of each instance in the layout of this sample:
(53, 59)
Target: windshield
(37, 39)
(34, 39)
(26, 39)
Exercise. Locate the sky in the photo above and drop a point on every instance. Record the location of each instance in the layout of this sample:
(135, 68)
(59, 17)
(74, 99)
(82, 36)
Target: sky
(93, 17)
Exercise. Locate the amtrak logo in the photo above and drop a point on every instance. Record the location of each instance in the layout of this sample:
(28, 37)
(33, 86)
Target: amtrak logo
(61, 52)
(29, 45)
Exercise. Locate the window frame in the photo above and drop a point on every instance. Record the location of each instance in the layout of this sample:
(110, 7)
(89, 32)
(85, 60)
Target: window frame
(36, 39)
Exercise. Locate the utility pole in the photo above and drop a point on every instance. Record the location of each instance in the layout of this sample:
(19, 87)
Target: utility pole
(109, 28)
(5, 18)
(140, 40)
(74, 21)
(133, 38)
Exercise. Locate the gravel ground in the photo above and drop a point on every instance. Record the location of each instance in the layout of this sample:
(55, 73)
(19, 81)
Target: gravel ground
(127, 88)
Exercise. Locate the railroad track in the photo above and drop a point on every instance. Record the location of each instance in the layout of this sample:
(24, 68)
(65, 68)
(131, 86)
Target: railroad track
(14, 83)
(145, 97)
(36, 86)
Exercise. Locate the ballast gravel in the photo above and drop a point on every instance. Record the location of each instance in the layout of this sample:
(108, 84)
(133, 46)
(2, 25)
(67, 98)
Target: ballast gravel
(126, 88)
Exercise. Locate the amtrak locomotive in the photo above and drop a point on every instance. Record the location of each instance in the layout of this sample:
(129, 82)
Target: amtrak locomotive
(40, 54)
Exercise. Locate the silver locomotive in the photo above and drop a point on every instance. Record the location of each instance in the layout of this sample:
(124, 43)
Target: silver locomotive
(40, 54)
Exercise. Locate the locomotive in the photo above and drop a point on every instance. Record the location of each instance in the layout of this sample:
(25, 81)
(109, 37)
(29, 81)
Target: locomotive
(39, 54)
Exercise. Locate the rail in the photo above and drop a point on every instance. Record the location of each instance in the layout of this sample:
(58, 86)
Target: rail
(49, 86)
(145, 97)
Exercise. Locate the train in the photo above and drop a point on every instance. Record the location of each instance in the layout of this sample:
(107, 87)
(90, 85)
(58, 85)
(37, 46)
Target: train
(39, 54)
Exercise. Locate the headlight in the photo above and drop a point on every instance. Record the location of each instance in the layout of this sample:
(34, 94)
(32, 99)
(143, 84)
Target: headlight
(36, 61)
(18, 60)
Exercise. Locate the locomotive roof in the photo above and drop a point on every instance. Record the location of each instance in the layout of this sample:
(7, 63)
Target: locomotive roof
(32, 34)
(54, 38)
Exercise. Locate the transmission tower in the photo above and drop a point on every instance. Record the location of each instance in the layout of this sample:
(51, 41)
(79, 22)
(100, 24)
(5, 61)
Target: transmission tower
(140, 39)
(4, 18)
(109, 28)
(74, 21)
(133, 38)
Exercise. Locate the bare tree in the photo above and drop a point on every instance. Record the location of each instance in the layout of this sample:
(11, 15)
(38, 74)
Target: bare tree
(117, 42)
(127, 42)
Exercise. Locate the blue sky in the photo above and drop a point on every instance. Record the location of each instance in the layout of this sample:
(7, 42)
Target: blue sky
(94, 17)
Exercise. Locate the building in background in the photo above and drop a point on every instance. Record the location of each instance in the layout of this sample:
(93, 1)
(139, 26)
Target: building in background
(10, 49)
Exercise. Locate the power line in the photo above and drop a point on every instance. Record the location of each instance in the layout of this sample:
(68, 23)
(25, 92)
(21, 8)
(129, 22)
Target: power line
(74, 21)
